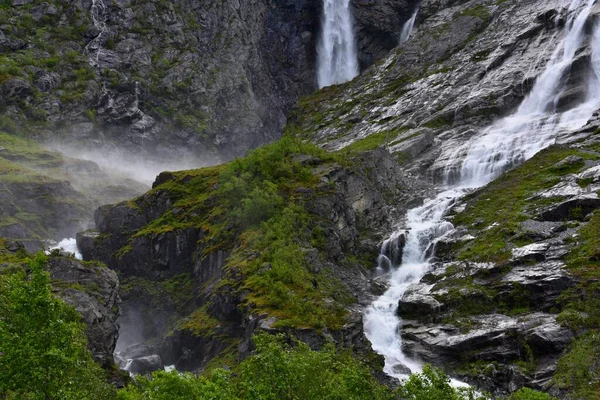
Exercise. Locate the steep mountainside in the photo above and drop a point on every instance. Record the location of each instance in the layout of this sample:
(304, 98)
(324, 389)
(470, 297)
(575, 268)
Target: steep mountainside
(170, 79)
(509, 300)
(281, 240)
(473, 147)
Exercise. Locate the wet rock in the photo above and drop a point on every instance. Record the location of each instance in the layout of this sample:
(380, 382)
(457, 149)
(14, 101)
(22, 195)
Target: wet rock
(417, 302)
(543, 283)
(401, 369)
(535, 252)
(576, 208)
(540, 230)
(47, 81)
(94, 292)
(145, 365)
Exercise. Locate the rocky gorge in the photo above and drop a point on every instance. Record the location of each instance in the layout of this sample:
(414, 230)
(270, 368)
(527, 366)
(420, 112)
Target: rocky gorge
(305, 235)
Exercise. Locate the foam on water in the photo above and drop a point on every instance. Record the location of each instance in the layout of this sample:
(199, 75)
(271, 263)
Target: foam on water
(68, 245)
(337, 54)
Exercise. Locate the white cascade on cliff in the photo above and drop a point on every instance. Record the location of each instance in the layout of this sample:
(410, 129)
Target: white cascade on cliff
(508, 142)
(98, 13)
(337, 54)
(68, 245)
(408, 27)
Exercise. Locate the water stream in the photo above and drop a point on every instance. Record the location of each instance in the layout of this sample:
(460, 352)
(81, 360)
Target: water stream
(98, 13)
(408, 27)
(337, 57)
(506, 143)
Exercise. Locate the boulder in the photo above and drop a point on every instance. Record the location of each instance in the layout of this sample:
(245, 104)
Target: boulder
(417, 302)
(576, 208)
(94, 292)
(532, 252)
(144, 365)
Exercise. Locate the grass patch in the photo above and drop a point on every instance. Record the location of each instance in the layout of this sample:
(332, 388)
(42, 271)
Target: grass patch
(254, 208)
(494, 213)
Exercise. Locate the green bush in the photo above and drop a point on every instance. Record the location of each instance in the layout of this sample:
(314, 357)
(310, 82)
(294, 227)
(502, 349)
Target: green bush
(529, 394)
(277, 371)
(43, 347)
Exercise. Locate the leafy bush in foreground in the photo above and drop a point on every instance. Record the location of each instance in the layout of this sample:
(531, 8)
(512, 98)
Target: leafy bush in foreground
(43, 347)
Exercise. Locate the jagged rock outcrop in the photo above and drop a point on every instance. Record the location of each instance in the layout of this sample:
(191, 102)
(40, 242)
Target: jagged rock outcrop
(171, 80)
(351, 206)
(502, 317)
(93, 290)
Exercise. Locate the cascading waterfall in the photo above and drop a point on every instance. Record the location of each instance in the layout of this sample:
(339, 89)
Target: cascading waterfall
(69, 245)
(408, 27)
(99, 16)
(508, 142)
(337, 54)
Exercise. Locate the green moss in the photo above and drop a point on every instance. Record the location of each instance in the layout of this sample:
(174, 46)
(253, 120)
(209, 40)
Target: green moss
(200, 323)
(439, 122)
(252, 206)
(479, 11)
(375, 140)
(176, 292)
(578, 371)
(494, 213)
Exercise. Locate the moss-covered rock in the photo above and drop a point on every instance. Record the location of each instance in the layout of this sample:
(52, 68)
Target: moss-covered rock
(272, 241)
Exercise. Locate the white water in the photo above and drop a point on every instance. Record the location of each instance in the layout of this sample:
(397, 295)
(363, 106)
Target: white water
(99, 16)
(68, 245)
(337, 58)
(408, 27)
(510, 141)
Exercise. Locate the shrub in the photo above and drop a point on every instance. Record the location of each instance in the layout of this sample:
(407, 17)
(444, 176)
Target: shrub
(43, 347)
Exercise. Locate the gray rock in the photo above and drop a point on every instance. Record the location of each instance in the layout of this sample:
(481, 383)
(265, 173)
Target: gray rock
(569, 161)
(145, 365)
(541, 230)
(535, 251)
(576, 208)
(417, 302)
(95, 295)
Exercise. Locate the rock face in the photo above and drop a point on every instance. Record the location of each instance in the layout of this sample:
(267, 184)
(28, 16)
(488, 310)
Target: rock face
(355, 203)
(378, 25)
(496, 324)
(93, 290)
(172, 80)
(467, 63)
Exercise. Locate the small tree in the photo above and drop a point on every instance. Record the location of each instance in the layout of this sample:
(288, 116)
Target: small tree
(43, 347)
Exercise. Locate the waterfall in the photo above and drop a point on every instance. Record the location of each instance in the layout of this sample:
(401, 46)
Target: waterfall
(509, 141)
(98, 13)
(337, 54)
(68, 245)
(408, 27)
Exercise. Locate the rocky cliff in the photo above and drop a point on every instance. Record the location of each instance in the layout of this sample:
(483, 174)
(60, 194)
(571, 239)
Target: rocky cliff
(172, 79)
(92, 289)
(510, 297)
(284, 240)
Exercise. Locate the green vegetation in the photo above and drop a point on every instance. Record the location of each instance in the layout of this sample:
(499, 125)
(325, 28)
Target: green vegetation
(495, 212)
(579, 369)
(43, 347)
(278, 371)
(375, 140)
(253, 206)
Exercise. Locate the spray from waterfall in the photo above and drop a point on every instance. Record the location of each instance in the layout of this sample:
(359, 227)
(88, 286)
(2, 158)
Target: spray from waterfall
(337, 54)
(506, 143)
